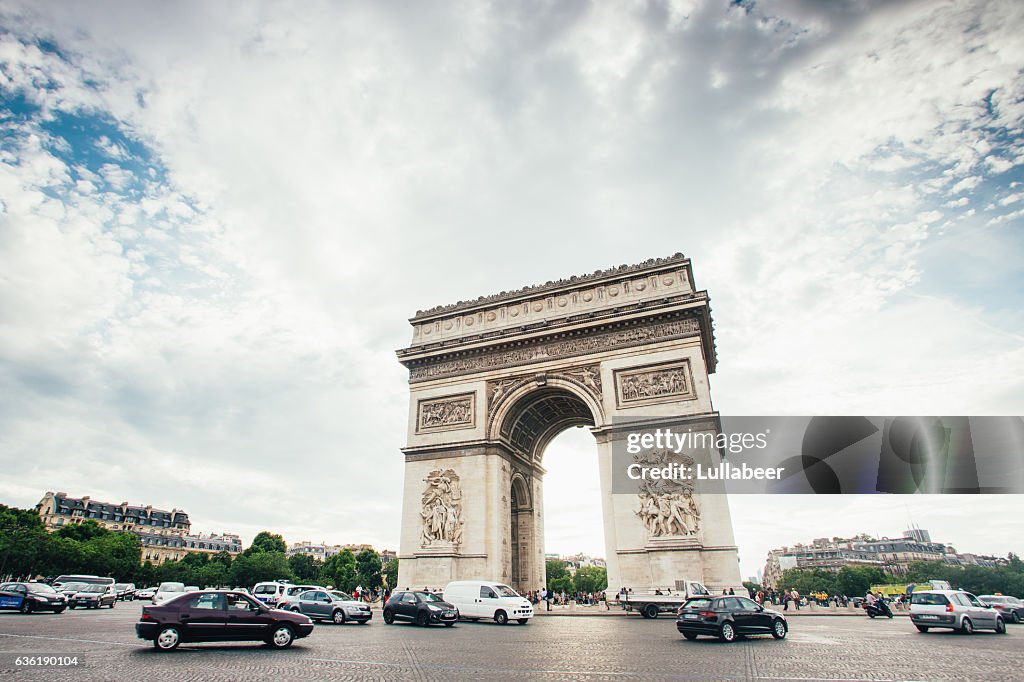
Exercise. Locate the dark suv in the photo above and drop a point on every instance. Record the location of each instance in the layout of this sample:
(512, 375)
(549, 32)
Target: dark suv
(727, 618)
(422, 608)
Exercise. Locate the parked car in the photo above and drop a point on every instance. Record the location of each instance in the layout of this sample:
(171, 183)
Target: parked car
(145, 593)
(93, 597)
(335, 606)
(476, 599)
(167, 591)
(291, 593)
(954, 609)
(69, 589)
(422, 608)
(125, 591)
(727, 618)
(1011, 607)
(219, 616)
(29, 597)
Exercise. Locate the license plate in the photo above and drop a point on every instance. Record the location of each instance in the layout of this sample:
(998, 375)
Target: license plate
(690, 616)
(926, 617)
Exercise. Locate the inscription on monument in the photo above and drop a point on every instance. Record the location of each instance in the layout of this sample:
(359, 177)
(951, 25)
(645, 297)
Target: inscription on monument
(654, 384)
(450, 412)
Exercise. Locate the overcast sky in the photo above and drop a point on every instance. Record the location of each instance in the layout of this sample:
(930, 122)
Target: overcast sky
(216, 218)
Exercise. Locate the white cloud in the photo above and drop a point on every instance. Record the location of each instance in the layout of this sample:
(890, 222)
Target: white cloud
(231, 304)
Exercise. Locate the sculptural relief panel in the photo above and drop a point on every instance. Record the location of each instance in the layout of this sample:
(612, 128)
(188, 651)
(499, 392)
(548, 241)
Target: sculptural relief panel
(670, 382)
(441, 512)
(449, 412)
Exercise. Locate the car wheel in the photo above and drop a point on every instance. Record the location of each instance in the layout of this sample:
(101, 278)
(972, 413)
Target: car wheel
(112, 604)
(922, 628)
(60, 610)
(448, 625)
(727, 633)
(500, 617)
(779, 629)
(690, 635)
(1014, 618)
(967, 627)
(389, 617)
(167, 639)
(26, 606)
(650, 611)
(338, 617)
(423, 619)
(522, 621)
(71, 606)
(1000, 626)
(282, 637)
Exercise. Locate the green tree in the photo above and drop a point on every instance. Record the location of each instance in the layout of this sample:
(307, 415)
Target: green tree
(340, 570)
(25, 546)
(558, 578)
(247, 570)
(854, 581)
(368, 568)
(113, 554)
(591, 579)
(82, 532)
(391, 573)
(265, 541)
(305, 567)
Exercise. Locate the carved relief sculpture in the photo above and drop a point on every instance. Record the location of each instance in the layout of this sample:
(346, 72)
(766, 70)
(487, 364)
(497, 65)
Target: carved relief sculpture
(446, 413)
(442, 509)
(667, 506)
(654, 384)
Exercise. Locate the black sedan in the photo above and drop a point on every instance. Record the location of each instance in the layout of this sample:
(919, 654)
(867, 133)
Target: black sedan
(219, 616)
(422, 608)
(93, 597)
(727, 618)
(29, 597)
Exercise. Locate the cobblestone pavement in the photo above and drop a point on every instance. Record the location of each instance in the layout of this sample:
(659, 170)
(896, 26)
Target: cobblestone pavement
(551, 648)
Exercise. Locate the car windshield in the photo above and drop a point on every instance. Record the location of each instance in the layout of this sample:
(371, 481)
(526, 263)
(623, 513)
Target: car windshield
(120, 586)
(506, 591)
(265, 589)
(341, 596)
(92, 588)
(72, 586)
(697, 604)
(41, 588)
(928, 599)
(429, 597)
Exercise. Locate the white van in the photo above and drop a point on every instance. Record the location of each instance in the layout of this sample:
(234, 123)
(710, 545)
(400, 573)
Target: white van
(270, 593)
(478, 599)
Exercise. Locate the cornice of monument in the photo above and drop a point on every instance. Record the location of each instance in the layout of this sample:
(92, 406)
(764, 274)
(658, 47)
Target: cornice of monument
(549, 287)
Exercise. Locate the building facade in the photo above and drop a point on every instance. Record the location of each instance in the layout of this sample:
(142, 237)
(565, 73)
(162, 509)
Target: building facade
(891, 555)
(164, 535)
(323, 551)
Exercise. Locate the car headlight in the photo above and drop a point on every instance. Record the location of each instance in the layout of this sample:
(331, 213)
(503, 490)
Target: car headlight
(434, 608)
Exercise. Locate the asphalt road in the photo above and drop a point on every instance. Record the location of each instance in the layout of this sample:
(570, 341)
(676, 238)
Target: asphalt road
(577, 648)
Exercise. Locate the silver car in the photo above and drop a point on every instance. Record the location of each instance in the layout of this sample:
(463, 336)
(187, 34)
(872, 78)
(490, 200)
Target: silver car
(336, 606)
(954, 609)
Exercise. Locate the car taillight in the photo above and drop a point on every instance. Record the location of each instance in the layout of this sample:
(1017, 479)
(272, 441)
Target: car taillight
(949, 607)
(146, 616)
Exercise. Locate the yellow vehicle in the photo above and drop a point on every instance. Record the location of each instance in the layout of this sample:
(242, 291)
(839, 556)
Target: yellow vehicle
(895, 590)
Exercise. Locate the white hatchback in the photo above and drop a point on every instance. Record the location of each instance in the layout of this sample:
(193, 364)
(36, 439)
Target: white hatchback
(954, 609)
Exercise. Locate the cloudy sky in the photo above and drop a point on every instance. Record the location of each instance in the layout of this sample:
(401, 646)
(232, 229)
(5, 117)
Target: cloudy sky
(215, 219)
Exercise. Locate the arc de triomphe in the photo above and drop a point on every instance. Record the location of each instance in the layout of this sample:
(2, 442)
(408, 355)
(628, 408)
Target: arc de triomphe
(493, 381)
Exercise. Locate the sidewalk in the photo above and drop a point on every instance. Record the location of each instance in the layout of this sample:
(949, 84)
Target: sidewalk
(617, 611)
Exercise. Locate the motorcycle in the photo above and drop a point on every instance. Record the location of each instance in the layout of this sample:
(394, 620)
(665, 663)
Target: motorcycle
(879, 608)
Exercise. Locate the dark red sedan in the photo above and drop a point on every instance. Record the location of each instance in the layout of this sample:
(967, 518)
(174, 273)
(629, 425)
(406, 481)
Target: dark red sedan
(219, 616)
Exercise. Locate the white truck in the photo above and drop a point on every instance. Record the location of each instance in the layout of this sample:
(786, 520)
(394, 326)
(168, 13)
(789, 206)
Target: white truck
(662, 599)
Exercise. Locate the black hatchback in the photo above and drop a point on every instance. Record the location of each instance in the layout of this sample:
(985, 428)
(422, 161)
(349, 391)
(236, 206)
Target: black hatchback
(727, 618)
(422, 608)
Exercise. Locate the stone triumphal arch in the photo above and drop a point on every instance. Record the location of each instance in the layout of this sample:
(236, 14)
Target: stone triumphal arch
(493, 381)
